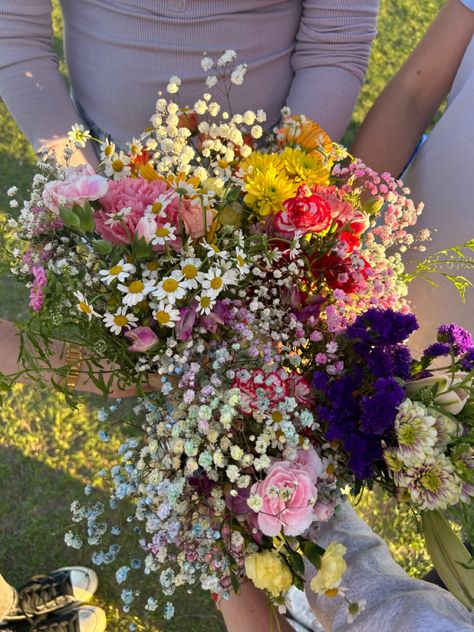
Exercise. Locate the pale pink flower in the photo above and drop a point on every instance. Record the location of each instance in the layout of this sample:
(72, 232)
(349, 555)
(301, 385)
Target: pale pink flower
(79, 187)
(309, 461)
(146, 228)
(143, 339)
(192, 214)
(288, 496)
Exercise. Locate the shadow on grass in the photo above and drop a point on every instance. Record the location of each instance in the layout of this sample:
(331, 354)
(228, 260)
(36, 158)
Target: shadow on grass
(35, 500)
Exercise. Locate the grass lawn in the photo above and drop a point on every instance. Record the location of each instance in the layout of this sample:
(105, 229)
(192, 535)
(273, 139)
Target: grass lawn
(48, 453)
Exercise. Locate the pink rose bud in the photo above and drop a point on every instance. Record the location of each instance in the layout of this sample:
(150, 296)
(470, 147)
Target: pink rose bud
(143, 339)
(192, 215)
(146, 228)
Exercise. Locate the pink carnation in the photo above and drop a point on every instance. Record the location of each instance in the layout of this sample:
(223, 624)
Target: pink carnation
(288, 496)
(134, 194)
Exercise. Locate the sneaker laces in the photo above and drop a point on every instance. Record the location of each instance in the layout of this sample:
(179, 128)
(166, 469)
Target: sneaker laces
(44, 591)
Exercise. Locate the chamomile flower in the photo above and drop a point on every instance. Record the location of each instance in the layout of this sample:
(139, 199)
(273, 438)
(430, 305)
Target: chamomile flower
(159, 205)
(214, 251)
(165, 314)
(190, 270)
(136, 291)
(118, 216)
(120, 320)
(217, 279)
(118, 166)
(84, 306)
(241, 261)
(119, 272)
(150, 269)
(206, 302)
(171, 288)
(107, 150)
(163, 233)
(79, 135)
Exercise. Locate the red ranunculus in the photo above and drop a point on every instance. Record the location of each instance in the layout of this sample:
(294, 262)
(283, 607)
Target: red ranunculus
(338, 272)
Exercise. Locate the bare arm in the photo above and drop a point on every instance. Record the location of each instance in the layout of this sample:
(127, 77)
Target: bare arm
(10, 350)
(31, 85)
(400, 115)
(330, 60)
(250, 612)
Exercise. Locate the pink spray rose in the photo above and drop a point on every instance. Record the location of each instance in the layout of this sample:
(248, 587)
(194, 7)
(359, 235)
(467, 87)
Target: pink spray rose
(288, 496)
(309, 461)
(81, 185)
(143, 339)
(192, 214)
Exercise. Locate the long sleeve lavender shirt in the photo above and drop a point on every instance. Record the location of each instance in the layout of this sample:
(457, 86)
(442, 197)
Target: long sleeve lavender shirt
(309, 54)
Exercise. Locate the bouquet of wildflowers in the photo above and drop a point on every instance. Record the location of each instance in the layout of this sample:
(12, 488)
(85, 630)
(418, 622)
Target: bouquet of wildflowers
(225, 260)
(409, 425)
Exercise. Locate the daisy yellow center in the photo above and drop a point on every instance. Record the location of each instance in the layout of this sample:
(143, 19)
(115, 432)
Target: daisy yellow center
(240, 261)
(277, 416)
(330, 469)
(170, 285)
(152, 266)
(162, 317)
(115, 270)
(108, 151)
(84, 307)
(216, 283)
(162, 231)
(156, 207)
(215, 248)
(117, 165)
(205, 301)
(190, 271)
(136, 287)
(120, 321)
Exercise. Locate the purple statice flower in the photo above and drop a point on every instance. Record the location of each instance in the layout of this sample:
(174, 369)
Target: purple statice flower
(402, 360)
(467, 362)
(320, 380)
(382, 327)
(437, 350)
(455, 335)
(364, 451)
(380, 408)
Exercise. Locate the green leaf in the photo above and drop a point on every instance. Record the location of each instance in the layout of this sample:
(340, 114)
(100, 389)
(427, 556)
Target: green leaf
(450, 557)
(70, 219)
(84, 213)
(102, 247)
(313, 552)
(141, 249)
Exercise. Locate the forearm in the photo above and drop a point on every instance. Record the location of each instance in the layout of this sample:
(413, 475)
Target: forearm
(330, 60)
(403, 111)
(31, 85)
(250, 611)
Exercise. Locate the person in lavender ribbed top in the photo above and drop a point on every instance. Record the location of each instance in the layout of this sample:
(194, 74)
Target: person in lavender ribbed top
(309, 54)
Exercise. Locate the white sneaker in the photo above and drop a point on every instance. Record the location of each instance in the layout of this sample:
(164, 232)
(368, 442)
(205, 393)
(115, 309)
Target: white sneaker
(69, 619)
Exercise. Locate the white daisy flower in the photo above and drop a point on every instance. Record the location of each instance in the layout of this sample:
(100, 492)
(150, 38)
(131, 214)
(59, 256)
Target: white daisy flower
(119, 272)
(150, 269)
(118, 166)
(136, 291)
(79, 135)
(84, 306)
(170, 288)
(120, 320)
(190, 270)
(165, 314)
(107, 150)
(205, 303)
(163, 233)
(118, 216)
(241, 261)
(159, 205)
(217, 280)
(214, 251)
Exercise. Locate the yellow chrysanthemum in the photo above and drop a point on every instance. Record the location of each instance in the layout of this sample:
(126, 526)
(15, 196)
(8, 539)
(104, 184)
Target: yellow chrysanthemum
(267, 190)
(309, 168)
(260, 162)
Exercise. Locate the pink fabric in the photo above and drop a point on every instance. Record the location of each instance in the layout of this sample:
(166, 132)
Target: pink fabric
(311, 54)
